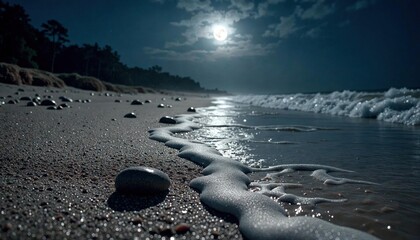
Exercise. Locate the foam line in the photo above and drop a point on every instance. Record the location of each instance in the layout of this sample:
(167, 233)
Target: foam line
(322, 175)
(224, 187)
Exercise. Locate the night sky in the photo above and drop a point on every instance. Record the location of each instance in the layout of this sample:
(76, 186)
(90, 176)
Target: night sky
(272, 46)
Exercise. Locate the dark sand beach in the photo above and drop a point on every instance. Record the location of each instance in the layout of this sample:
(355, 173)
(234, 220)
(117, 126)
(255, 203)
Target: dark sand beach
(58, 169)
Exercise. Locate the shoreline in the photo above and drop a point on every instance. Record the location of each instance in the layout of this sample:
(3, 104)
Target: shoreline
(59, 168)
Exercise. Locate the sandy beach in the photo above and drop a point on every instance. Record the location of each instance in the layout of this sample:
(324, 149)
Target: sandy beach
(58, 169)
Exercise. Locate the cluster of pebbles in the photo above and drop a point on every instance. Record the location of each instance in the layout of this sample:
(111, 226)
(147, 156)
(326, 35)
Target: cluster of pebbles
(59, 171)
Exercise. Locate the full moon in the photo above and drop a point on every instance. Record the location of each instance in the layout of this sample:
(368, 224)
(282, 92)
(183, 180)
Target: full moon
(220, 33)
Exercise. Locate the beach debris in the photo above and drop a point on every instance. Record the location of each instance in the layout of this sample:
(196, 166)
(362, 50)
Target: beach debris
(161, 105)
(148, 101)
(167, 119)
(140, 180)
(136, 102)
(130, 115)
(65, 99)
(48, 102)
(191, 109)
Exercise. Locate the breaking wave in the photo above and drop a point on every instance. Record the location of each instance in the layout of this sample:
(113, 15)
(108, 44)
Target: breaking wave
(395, 105)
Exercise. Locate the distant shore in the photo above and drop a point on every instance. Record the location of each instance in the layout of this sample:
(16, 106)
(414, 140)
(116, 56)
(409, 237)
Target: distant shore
(59, 167)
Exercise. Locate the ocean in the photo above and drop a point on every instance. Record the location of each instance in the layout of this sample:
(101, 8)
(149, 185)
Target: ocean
(375, 136)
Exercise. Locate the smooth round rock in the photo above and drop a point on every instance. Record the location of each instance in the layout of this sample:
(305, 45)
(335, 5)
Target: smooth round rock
(48, 102)
(161, 105)
(65, 99)
(52, 108)
(142, 181)
(148, 101)
(130, 115)
(25, 99)
(167, 119)
(136, 102)
(31, 104)
(191, 109)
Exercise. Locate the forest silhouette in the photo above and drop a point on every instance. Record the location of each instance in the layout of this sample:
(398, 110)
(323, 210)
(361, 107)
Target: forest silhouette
(48, 49)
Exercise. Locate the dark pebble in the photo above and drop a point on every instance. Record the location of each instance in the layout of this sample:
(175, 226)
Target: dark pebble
(11, 102)
(52, 108)
(117, 100)
(178, 99)
(161, 106)
(182, 228)
(31, 104)
(130, 115)
(65, 99)
(167, 119)
(6, 227)
(136, 102)
(48, 102)
(25, 99)
(64, 105)
(137, 220)
(191, 109)
(148, 101)
(142, 181)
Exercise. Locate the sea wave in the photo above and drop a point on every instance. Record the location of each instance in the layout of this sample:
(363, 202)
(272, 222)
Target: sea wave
(395, 105)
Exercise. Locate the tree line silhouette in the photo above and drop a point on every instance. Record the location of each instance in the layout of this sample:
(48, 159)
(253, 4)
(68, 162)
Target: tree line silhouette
(47, 49)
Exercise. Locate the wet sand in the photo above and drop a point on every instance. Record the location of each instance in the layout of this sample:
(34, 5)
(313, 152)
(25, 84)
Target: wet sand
(58, 169)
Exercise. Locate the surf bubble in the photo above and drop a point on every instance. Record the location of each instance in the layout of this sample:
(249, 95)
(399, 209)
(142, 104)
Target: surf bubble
(225, 187)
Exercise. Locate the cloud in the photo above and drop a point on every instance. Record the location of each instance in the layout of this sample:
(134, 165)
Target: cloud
(315, 32)
(195, 5)
(286, 27)
(241, 47)
(317, 11)
(360, 4)
(242, 5)
(263, 8)
(200, 26)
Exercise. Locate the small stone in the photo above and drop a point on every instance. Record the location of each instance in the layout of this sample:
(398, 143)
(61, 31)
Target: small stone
(11, 102)
(31, 104)
(142, 181)
(169, 106)
(167, 119)
(165, 231)
(25, 99)
(64, 105)
(48, 102)
(136, 102)
(137, 220)
(182, 228)
(117, 100)
(52, 108)
(130, 115)
(178, 99)
(6, 227)
(59, 108)
(65, 99)
(191, 109)
(148, 101)
(161, 105)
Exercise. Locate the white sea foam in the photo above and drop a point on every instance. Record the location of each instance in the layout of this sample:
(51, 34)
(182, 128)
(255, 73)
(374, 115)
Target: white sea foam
(394, 105)
(225, 187)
